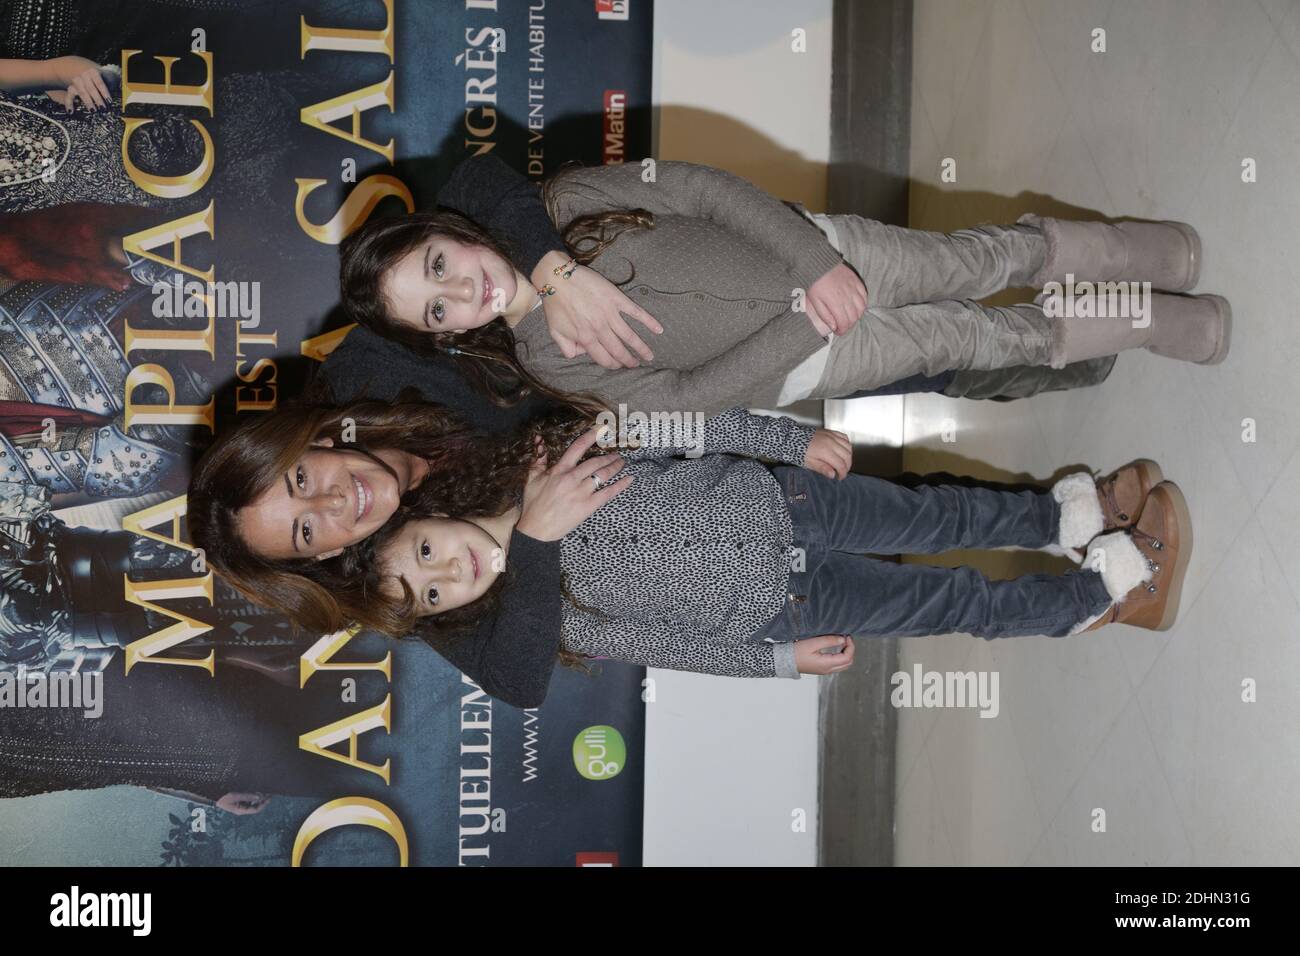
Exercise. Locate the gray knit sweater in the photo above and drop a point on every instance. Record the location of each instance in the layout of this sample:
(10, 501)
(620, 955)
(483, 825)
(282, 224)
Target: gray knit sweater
(682, 568)
(718, 271)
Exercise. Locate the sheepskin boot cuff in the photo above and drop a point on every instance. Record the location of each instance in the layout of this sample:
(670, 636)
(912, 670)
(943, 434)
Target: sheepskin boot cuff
(1122, 566)
(1081, 516)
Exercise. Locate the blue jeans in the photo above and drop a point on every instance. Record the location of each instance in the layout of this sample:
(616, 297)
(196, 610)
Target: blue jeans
(840, 591)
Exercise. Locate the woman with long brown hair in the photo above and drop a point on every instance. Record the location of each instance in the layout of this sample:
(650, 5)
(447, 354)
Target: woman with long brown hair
(278, 497)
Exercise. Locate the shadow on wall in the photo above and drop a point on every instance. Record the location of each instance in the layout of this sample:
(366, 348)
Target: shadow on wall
(716, 139)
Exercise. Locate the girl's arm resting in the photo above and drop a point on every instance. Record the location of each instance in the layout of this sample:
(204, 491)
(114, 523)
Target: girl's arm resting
(16, 74)
(756, 365)
(512, 657)
(676, 647)
(688, 189)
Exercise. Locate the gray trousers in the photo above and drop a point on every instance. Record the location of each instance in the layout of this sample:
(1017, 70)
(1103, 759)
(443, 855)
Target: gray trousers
(922, 317)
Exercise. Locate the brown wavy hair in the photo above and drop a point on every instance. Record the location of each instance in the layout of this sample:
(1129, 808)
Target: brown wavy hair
(244, 461)
(487, 355)
(586, 237)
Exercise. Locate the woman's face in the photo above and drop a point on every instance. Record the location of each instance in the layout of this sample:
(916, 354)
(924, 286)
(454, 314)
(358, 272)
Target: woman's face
(446, 562)
(328, 499)
(446, 286)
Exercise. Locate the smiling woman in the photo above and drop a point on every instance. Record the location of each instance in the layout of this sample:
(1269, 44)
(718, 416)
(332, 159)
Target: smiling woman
(274, 497)
(329, 498)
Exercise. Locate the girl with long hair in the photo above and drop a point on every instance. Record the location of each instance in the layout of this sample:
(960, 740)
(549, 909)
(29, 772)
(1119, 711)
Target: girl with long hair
(721, 564)
(728, 269)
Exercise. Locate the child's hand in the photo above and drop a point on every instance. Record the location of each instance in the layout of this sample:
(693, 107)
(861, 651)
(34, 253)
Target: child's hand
(836, 300)
(810, 659)
(586, 315)
(830, 454)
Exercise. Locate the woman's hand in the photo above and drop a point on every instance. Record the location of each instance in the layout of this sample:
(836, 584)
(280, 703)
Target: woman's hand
(836, 301)
(243, 803)
(827, 654)
(830, 454)
(83, 81)
(558, 499)
(583, 315)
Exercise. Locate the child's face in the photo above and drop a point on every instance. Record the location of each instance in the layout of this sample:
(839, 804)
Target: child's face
(447, 562)
(445, 286)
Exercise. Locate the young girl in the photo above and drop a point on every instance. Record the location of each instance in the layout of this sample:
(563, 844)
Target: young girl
(723, 565)
(746, 291)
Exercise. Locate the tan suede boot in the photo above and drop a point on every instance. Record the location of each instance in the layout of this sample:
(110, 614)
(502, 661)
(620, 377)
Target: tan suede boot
(1144, 568)
(1192, 328)
(1166, 254)
(1124, 491)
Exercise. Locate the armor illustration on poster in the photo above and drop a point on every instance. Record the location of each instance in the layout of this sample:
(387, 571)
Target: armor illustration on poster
(176, 177)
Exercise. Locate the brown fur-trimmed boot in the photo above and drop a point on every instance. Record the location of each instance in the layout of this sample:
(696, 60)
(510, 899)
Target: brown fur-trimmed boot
(1124, 491)
(1090, 507)
(1144, 568)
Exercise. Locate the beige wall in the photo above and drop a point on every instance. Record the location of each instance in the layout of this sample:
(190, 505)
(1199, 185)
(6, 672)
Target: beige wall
(730, 761)
(730, 92)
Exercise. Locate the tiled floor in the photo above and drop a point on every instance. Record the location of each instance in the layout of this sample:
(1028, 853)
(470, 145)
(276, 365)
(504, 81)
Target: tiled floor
(1150, 727)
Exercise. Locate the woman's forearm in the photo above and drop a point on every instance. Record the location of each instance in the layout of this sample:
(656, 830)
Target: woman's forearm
(15, 74)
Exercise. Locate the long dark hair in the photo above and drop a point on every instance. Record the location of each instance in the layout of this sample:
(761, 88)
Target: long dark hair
(487, 355)
(245, 461)
(587, 236)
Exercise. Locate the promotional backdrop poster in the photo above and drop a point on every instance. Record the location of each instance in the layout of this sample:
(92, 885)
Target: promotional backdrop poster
(243, 141)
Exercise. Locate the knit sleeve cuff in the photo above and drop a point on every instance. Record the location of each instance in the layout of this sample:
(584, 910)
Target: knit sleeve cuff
(815, 258)
(783, 660)
(799, 442)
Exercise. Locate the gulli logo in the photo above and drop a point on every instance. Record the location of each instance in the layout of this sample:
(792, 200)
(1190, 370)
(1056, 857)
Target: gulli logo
(599, 752)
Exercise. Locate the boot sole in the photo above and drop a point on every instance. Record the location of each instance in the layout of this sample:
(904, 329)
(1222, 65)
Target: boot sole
(1224, 309)
(1194, 253)
(1184, 516)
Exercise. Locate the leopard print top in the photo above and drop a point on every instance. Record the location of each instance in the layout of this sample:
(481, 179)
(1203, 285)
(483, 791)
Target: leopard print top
(682, 568)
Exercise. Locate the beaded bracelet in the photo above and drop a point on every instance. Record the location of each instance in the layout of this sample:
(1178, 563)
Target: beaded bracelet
(567, 269)
(546, 289)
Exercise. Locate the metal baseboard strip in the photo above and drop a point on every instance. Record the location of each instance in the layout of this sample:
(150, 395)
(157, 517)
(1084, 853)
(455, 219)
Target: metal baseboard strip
(871, 96)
